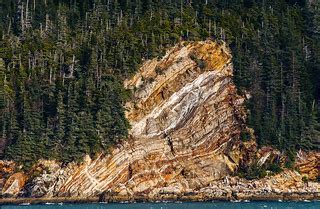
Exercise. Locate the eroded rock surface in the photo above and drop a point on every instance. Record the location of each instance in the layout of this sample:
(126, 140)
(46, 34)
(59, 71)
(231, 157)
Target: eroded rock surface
(13, 185)
(186, 119)
(308, 164)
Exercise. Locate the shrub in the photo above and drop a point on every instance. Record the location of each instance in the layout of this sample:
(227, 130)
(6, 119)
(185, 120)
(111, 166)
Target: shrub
(245, 136)
(305, 179)
(253, 172)
(201, 63)
(275, 168)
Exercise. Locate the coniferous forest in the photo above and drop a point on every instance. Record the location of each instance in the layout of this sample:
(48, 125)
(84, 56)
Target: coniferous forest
(62, 64)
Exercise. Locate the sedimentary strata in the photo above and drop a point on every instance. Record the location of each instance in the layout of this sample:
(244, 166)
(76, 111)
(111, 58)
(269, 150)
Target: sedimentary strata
(186, 118)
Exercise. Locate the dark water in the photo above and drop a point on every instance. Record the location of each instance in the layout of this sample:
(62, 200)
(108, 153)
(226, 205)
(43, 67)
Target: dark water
(218, 205)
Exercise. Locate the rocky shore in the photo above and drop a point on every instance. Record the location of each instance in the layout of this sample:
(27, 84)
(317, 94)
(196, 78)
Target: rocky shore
(200, 196)
(56, 200)
(286, 186)
(225, 196)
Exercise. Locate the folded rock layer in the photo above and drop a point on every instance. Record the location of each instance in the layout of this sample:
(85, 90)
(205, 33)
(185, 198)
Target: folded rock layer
(186, 118)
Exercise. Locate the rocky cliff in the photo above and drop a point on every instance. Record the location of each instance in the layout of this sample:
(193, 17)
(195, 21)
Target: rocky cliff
(186, 119)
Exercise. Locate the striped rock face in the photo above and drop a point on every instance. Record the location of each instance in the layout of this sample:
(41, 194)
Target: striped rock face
(186, 118)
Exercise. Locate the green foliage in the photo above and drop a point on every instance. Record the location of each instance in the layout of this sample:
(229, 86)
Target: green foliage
(274, 168)
(64, 62)
(245, 136)
(289, 163)
(305, 179)
(253, 172)
(200, 63)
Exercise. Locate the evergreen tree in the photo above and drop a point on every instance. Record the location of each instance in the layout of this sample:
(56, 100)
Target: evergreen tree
(62, 64)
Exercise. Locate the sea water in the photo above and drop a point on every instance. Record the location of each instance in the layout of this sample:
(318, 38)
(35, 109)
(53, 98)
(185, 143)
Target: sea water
(205, 205)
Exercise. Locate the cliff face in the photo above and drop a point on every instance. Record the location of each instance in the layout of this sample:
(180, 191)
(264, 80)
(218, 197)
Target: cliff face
(186, 119)
(308, 164)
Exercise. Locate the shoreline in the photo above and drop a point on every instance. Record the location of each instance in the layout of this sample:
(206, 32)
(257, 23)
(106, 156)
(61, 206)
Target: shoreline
(206, 197)
(56, 200)
(270, 197)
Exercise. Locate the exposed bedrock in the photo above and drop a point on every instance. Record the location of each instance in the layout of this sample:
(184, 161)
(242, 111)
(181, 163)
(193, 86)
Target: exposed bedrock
(186, 118)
